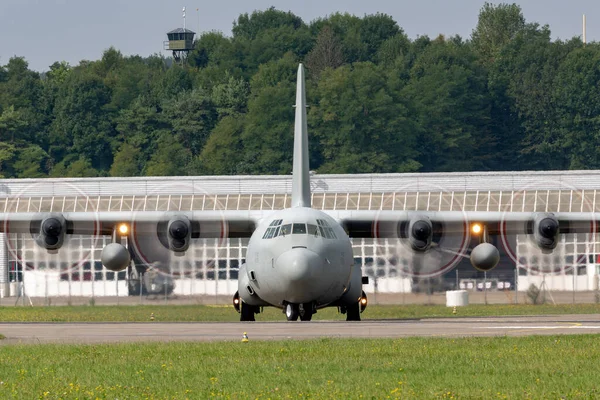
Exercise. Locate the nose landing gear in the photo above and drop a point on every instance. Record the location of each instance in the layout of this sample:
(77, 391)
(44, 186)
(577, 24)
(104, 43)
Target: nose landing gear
(292, 312)
(304, 310)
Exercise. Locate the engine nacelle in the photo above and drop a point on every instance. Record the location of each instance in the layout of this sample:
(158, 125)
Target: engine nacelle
(175, 234)
(50, 232)
(179, 232)
(485, 256)
(545, 232)
(420, 233)
(115, 257)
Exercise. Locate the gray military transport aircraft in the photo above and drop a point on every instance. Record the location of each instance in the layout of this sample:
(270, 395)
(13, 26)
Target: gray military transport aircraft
(300, 259)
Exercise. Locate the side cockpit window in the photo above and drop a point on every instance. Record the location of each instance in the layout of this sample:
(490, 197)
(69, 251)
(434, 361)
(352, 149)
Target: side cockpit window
(312, 230)
(273, 229)
(325, 230)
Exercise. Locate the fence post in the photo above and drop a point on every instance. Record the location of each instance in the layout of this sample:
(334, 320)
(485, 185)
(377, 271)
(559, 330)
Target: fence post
(574, 272)
(485, 287)
(141, 284)
(517, 285)
(456, 278)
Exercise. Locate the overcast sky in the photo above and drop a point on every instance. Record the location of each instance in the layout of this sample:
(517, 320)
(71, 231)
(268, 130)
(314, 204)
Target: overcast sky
(44, 31)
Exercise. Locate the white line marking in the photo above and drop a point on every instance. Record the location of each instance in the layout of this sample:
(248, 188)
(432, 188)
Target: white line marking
(542, 327)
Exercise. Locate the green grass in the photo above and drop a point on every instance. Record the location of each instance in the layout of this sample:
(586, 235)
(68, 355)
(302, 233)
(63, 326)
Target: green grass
(168, 313)
(2, 337)
(506, 367)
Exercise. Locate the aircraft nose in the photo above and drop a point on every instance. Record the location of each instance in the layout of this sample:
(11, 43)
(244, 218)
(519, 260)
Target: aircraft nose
(299, 265)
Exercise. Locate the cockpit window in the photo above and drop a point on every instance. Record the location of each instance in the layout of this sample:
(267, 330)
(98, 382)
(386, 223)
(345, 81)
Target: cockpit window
(285, 230)
(312, 230)
(299, 229)
(325, 230)
(273, 229)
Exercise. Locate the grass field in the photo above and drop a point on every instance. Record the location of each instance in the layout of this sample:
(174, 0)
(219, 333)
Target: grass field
(168, 313)
(506, 367)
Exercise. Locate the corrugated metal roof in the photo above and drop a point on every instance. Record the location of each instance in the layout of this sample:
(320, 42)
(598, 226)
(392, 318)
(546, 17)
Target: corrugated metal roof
(256, 184)
(181, 30)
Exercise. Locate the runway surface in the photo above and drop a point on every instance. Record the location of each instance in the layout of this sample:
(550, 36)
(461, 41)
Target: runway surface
(30, 333)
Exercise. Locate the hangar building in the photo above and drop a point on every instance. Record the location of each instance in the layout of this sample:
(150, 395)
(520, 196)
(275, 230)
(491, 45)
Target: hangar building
(212, 268)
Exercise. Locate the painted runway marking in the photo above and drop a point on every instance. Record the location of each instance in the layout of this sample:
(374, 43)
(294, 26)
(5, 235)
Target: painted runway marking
(543, 327)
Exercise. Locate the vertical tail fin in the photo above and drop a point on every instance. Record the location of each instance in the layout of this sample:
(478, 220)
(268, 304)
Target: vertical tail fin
(300, 173)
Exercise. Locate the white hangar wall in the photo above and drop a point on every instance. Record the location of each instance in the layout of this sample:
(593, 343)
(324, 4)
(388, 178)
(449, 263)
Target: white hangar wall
(475, 191)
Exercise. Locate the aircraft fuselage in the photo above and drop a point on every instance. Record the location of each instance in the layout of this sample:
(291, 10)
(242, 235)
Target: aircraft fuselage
(297, 255)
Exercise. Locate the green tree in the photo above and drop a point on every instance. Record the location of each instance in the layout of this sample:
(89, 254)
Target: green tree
(392, 48)
(22, 89)
(249, 27)
(11, 123)
(171, 158)
(448, 91)
(231, 98)
(223, 153)
(140, 126)
(192, 115)
(31, 162)
(578, 109)
(497, 26)
(127, 161)
(361, 124)
(82, 125)
(7, 155)
(327, 52)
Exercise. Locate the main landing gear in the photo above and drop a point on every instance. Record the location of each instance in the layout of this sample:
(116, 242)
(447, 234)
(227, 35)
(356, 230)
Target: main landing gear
(304, 310)
(354, 310)
(246, 310)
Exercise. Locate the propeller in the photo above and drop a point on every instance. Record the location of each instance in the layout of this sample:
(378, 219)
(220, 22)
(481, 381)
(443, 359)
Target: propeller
(545, 245)
(418, 247)
(176, 245)
(48, 241)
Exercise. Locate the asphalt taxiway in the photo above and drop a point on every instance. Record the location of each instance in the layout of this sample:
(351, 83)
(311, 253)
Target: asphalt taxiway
(232, 331)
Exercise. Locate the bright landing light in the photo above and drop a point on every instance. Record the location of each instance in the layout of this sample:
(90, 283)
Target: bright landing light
(123, 229)
(476, 228)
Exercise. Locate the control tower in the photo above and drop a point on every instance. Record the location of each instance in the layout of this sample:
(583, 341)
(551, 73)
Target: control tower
(181, 41)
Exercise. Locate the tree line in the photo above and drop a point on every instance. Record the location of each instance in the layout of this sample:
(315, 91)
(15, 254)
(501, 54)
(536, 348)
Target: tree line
(506, 98)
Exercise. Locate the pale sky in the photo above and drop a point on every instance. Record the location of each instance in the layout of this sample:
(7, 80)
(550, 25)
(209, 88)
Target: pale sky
(45, 31)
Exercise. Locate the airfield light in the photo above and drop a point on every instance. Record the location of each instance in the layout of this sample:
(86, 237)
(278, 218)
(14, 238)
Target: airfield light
(476, 229)
(123, 229)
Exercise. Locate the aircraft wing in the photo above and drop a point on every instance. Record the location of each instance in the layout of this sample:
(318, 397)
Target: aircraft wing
(204, 224)
(373, 224)
(427, 244)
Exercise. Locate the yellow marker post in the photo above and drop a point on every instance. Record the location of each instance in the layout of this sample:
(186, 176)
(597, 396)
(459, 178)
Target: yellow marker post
(245, 338)
(151, 316)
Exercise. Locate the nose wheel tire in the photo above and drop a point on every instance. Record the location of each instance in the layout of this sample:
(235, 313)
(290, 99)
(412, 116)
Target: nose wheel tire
(247, 312)
(353, 312)
(291, 312)
(306, 312)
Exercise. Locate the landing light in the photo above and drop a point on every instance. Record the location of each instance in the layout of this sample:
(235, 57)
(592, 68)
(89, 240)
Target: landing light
(476, 228)
(123, 229)
(363, 301)
(236, 301)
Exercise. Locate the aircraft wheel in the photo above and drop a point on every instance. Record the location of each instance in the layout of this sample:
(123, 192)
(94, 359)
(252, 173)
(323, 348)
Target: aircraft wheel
(291, 312)
(247, 312)
(306, 312)
(353, 312)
